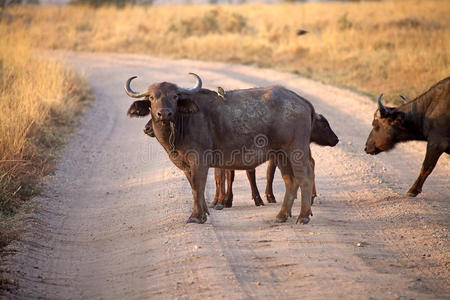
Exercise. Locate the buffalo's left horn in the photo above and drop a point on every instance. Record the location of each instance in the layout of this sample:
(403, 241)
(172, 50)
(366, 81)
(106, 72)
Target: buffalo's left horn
(132, 93)
(381, 106)
(197, 86)
(404, 98)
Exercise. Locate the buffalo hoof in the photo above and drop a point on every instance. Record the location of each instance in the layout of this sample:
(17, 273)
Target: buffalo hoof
(271, 199)
(281, 218)
(228, 203)
(218, 207)
(196, 220)
(193, 220)
(412, 193)
(212, 204)
(303, 220)
(258, 201)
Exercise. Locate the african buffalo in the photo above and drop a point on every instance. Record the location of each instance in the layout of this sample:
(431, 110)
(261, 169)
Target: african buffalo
(321, 134)
(221, 198)
(426, 118)
(199, 130)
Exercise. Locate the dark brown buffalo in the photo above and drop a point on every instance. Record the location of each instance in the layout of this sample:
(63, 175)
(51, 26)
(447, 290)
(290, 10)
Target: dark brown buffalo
(426, 118)
(199, 130)
(321, 134)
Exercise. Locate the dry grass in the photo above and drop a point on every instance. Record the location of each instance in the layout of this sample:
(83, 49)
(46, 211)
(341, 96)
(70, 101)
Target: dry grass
(39, 99)
(391, 47)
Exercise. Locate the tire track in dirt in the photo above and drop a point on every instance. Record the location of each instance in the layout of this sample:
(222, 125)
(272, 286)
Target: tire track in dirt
(242, 257)
(111, 221)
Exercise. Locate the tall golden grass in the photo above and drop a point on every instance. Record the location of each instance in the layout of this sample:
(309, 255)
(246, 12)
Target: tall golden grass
(391, 47)
(39, 99)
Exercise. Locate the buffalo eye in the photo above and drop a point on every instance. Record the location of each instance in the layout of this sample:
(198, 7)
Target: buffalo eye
(175, 97)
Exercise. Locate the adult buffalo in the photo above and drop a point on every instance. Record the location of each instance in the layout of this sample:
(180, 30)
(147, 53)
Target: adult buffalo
(321, 134)
(199, 130)
(426, 118)
(221, 198)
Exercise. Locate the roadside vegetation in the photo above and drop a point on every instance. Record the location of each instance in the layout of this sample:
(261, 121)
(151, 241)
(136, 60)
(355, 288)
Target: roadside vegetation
(391, 47)
(39, 101)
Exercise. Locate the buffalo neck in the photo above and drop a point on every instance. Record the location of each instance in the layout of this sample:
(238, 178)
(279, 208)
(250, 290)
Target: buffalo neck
(171, 135)
(415, 116)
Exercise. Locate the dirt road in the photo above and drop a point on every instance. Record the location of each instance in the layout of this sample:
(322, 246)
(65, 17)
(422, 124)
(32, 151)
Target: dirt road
(111, 223)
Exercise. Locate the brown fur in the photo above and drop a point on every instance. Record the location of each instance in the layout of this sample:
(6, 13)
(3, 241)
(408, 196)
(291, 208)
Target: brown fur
(426, 118)
(321, 134)
(191, 126)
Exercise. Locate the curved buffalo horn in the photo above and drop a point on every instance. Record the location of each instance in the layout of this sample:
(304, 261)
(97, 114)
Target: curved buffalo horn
(381, 106)
(132, 93)
(404, 98)
(197, 86)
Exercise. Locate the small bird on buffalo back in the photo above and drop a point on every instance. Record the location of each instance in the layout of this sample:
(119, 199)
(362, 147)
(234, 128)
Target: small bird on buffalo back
(221, 92)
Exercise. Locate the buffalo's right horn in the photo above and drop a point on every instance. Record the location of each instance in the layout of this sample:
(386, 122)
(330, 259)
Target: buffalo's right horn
(197, 86)
(132, 93)
(381, 106)
(404, 98)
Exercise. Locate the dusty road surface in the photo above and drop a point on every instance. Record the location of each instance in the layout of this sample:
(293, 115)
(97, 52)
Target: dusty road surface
(111, 223)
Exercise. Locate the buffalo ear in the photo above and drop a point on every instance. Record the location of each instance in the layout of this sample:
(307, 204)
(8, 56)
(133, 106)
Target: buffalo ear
(187, 106)
(139, 108)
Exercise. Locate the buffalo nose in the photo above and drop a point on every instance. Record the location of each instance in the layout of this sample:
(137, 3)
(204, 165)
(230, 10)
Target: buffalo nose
(164, 114)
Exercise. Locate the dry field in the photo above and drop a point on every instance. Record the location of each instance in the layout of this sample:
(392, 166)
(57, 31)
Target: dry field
(39, 100)
(391, 47)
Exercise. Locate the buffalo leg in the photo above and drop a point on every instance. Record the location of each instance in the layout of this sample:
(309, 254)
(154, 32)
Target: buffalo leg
(219, 178)
(431, 158)
(291, 191)
(255, 193)
(314, 192)
(197, 180)
(228, 200)
(271, 167)
(304, 177)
